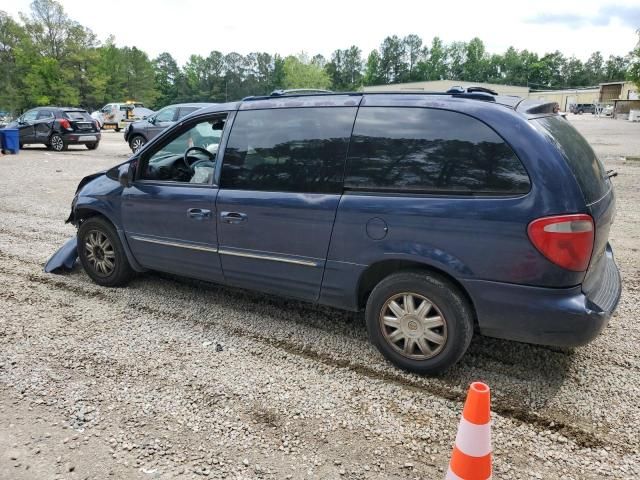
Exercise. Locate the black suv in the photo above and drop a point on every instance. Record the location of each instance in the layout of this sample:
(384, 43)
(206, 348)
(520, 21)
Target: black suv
(57, 128)
(580, 108)
(137, 134)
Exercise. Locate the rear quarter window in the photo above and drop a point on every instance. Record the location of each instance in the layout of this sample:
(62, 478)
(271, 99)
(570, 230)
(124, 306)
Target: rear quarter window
(581, 158)
(425, 150)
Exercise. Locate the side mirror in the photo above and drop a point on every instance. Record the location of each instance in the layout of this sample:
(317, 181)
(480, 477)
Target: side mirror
(151, 120)
(122, 174)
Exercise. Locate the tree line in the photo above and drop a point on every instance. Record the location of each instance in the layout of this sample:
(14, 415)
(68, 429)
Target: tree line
(47, 58)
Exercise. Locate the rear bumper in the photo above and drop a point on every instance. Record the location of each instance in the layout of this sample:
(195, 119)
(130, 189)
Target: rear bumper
(564, 317)
(81, 138)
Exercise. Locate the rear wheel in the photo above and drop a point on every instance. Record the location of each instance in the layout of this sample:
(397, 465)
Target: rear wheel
(419, 321)
(137, 142)
(93, 146)
(57, 143)
(101, 254)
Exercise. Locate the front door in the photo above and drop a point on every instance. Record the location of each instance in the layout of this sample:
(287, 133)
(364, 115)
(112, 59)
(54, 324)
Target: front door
(281, 182)
(26, 127)
(169, 211)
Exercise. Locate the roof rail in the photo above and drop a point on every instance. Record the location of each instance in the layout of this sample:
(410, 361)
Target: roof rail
(298, 91)
(479, 93)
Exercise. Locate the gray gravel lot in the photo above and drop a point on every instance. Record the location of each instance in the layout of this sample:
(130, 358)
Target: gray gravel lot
(173, 378)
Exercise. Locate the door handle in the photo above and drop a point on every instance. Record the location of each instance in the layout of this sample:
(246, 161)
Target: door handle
(198, 213)
(233, 217)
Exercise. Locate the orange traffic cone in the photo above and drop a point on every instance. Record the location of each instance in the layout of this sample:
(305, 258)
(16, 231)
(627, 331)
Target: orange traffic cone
(471, 457)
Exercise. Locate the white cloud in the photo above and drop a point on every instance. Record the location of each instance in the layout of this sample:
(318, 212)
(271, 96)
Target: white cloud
(182, 27)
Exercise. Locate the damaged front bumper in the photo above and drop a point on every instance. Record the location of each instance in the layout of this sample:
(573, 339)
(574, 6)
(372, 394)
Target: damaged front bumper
(64, 259)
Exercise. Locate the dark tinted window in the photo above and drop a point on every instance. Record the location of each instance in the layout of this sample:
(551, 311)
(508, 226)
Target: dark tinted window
(77, 115)
(288, 150)
(586, 167)
(427, 150)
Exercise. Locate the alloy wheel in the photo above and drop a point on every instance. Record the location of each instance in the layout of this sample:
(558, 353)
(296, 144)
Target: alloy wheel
(57, 143)
(137, 144)
(100, 253)
(413, 326)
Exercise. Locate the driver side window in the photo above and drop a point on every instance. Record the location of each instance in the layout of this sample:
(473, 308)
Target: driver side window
(187, 157)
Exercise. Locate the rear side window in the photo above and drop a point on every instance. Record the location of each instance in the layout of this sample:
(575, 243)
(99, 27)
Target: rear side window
(184, 111)
(430, 151)
(77, 115)
(581, 158)
(288, 150)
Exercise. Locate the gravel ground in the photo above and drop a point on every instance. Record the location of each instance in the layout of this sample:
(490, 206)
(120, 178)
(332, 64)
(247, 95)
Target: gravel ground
(173, 378)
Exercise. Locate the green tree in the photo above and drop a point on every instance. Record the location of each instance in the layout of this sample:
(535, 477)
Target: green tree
(414, 53)
(139, 81)
(476, 64)
(393, 67)
(372, 74)
(12, 35)
(301, 73)
(615, 68)
(633, 74)
(166, 75)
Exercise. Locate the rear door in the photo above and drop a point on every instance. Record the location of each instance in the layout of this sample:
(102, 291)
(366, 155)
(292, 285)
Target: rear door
(43, 125)
(280, 186)
(163, 119)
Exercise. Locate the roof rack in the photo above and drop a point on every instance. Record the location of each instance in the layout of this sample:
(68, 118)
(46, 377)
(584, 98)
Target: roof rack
(298, 91)
(479, 93)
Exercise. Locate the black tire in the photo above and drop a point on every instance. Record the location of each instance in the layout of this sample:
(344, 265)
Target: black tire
(449, 304)
(121, 272)
(137, 142)
(580, 112)
(21, 145)
(118, 129)
(57, 143)
(92, 146)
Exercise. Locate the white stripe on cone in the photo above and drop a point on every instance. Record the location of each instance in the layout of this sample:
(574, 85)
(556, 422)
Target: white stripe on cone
(474, 440)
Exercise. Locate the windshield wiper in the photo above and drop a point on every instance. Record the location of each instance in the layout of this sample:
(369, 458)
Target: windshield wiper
(611, 173)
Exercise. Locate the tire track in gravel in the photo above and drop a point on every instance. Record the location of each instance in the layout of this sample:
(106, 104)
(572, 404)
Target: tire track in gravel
(581, 436)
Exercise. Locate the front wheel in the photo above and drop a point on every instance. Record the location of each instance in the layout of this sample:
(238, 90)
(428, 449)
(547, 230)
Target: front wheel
(419, 321)
(57, 143)
(137, 142)
(101, 254)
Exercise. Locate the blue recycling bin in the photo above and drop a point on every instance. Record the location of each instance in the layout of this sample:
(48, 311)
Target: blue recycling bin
(10, 140)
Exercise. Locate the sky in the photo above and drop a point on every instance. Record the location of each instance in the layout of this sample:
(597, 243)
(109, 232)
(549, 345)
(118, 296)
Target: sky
(185, 27)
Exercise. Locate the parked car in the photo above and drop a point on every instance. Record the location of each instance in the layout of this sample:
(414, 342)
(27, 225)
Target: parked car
(137, 134)
(436, 214)
(118, 115)
(57, 128)
(580, 108)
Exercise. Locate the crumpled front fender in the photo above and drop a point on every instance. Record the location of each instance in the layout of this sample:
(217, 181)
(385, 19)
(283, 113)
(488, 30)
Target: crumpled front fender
(64, 259)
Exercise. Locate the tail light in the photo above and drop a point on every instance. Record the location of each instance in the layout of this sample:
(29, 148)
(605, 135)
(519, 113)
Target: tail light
(64, 123)
(566, 240)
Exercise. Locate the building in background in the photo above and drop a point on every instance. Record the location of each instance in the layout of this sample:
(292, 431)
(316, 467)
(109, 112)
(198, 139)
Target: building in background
(620, 94)
(444, 85)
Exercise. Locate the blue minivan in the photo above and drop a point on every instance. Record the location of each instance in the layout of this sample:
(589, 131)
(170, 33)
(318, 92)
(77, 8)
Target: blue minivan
(438, 214)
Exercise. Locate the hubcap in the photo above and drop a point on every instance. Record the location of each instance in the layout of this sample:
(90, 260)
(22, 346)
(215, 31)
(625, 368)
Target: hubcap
(137, 144)
(413, 326)
(56, 143)
(100, 253)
